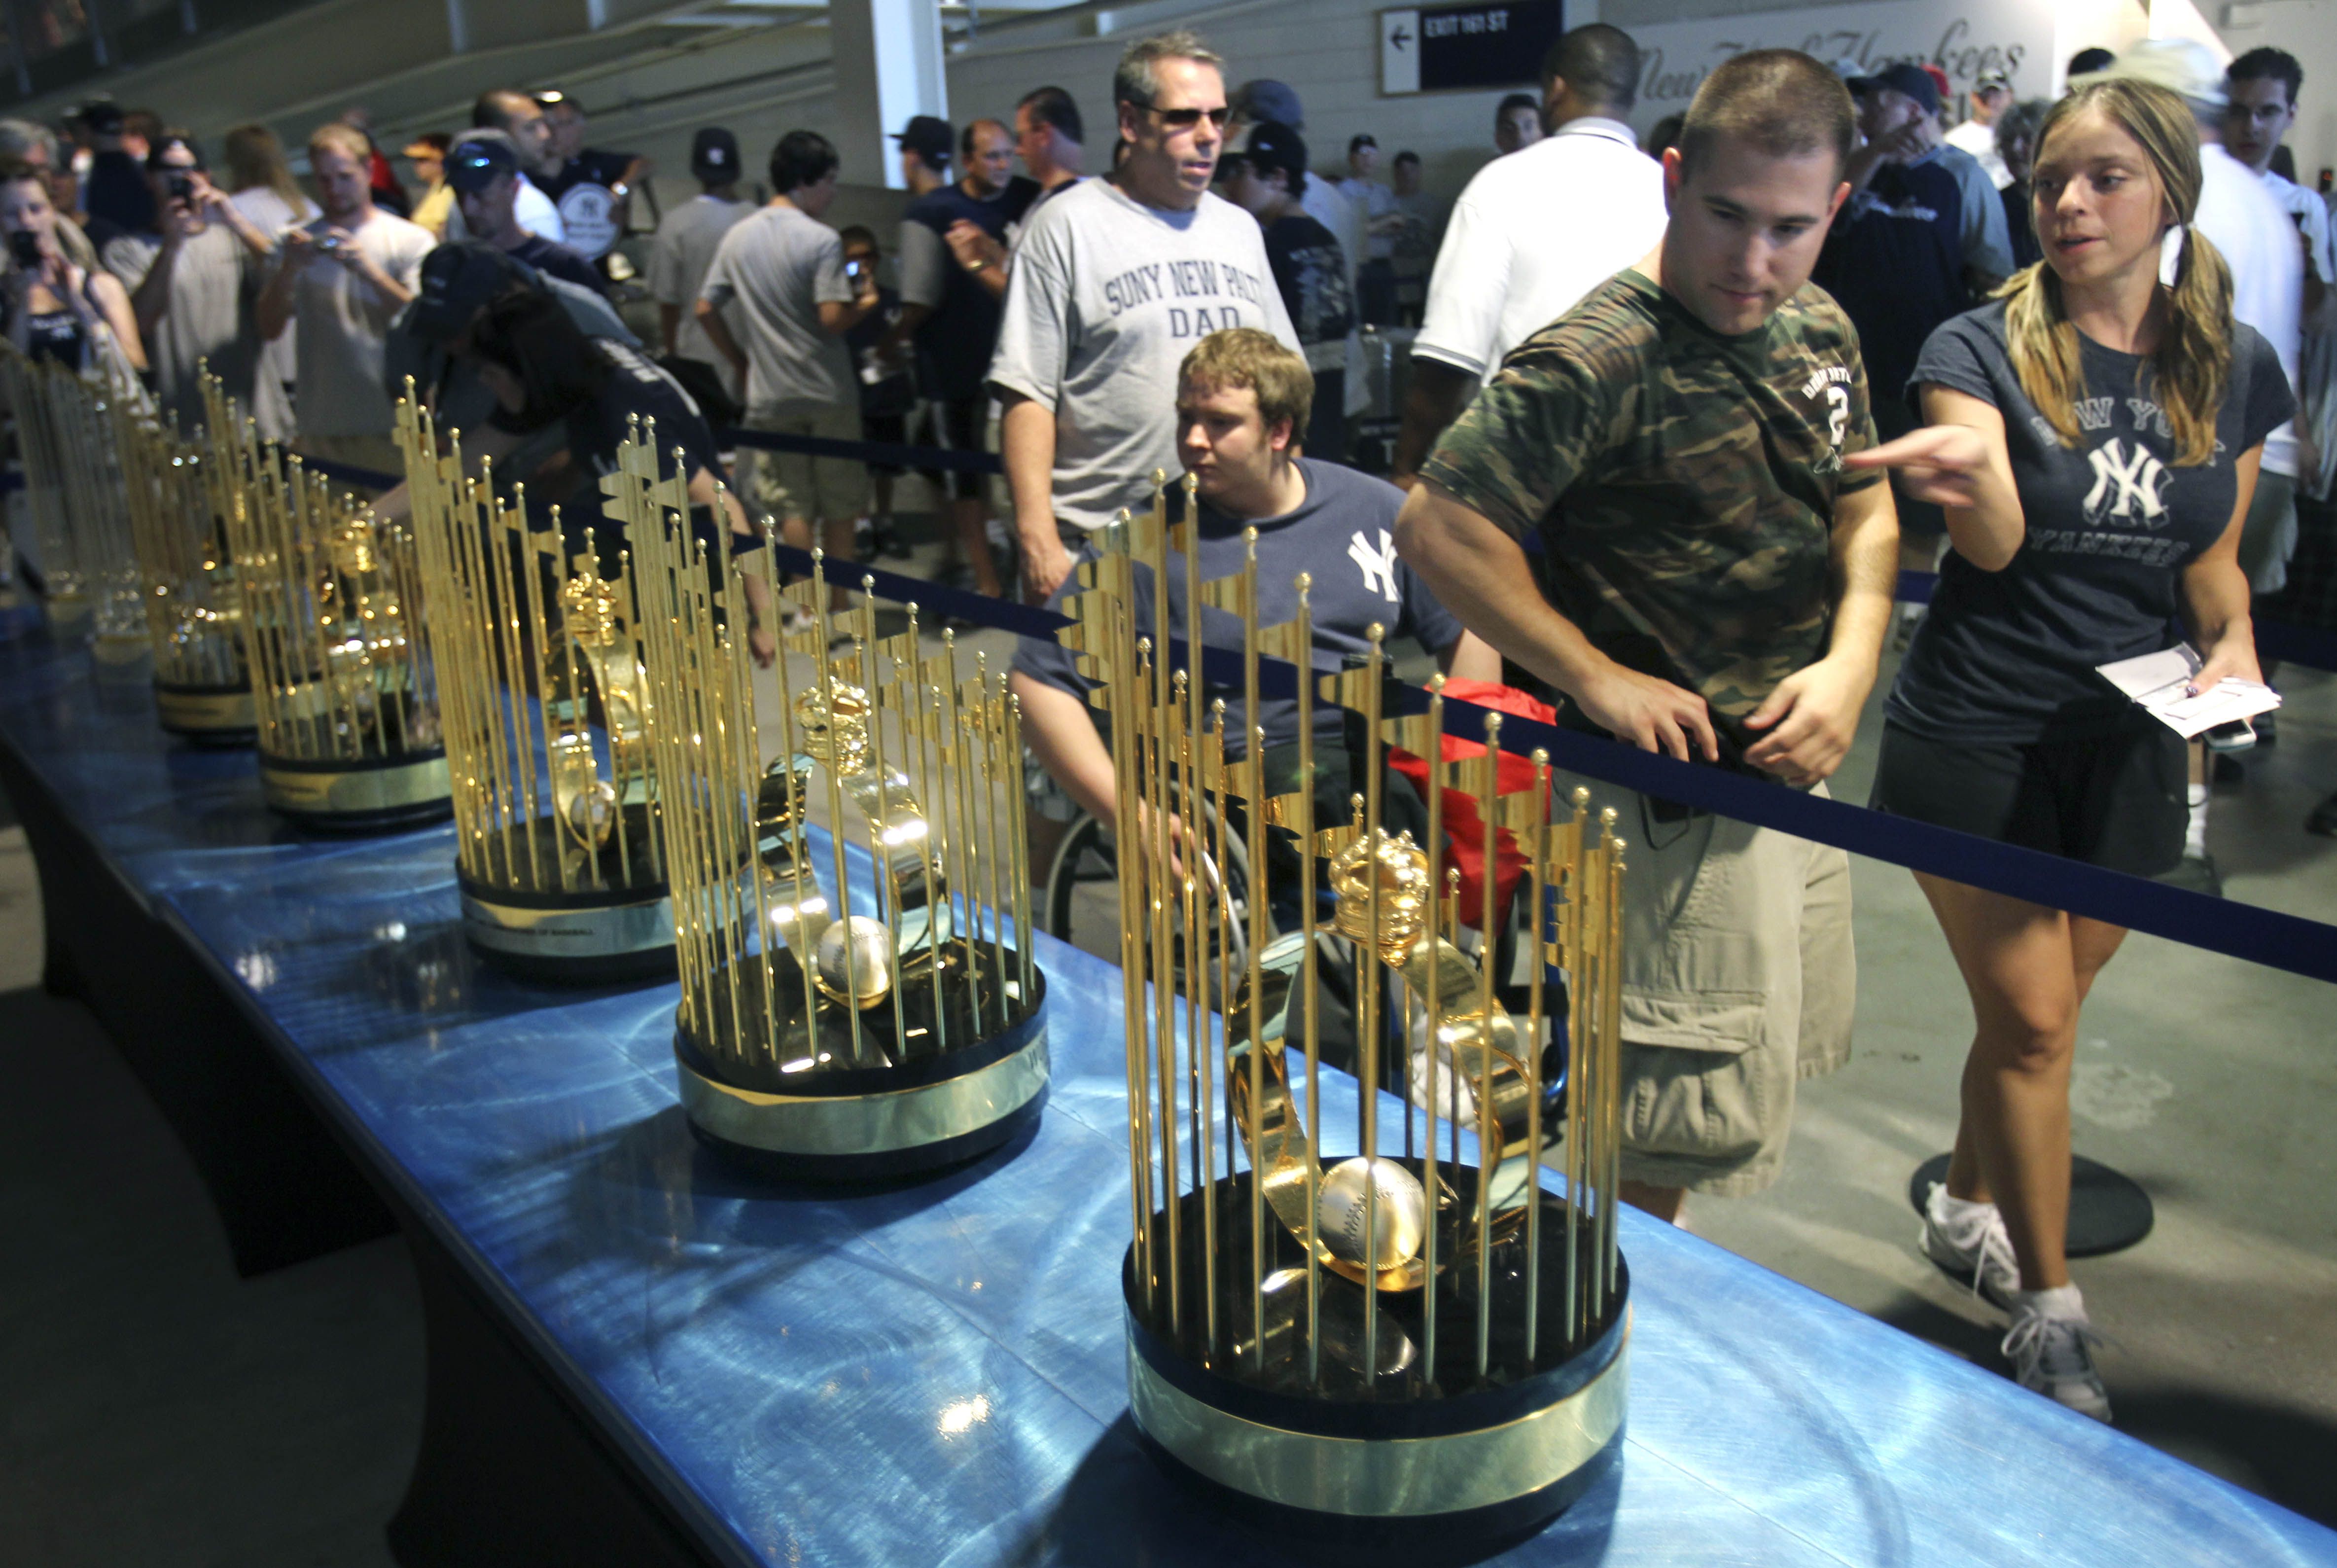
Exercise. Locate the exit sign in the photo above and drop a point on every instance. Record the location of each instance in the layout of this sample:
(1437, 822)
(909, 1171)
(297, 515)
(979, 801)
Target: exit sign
(1449, 48)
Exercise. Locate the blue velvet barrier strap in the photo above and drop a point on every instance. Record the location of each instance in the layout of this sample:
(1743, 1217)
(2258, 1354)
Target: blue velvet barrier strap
(891, 453)
(2267, 936)
(350, 474)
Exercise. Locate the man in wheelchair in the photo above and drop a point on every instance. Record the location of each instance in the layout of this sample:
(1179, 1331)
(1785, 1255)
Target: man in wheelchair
(1243, 400)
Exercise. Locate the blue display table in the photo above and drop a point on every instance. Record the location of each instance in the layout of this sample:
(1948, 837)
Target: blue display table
(933, 1374)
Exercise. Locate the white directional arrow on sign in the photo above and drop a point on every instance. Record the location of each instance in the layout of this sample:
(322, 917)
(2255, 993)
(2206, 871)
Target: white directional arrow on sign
(1399, 60)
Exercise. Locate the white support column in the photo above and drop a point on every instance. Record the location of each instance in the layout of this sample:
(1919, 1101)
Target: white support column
(888, 67)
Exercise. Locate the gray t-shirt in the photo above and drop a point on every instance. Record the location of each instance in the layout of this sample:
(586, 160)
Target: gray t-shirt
(771, 273)
(214, 281)
(1105, 299)
(1342, 535)
(279, 361)
(343, 320)
(1987, 232)
(684, 249)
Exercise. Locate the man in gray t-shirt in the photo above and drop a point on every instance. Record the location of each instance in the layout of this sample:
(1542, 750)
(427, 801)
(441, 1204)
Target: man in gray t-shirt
(683, 250)
(1113, 282)
(193, 287)
(776, 304)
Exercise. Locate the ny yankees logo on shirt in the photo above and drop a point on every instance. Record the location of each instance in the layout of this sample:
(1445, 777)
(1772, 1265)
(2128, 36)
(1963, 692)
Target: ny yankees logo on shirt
(1378, 564)
(2126, 484)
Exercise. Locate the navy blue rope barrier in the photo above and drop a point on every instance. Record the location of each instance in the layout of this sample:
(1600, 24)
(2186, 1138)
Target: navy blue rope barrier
(888, 453)
(2267, 936)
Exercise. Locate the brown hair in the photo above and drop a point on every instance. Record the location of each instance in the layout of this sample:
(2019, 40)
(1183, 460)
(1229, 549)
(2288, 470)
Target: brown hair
(1245, 356)
(254, 158)
(341, 137)
(2192, 366)
(1779, 101)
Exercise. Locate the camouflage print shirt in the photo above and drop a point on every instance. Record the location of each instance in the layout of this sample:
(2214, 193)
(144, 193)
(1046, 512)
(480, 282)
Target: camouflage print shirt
(1683, 482)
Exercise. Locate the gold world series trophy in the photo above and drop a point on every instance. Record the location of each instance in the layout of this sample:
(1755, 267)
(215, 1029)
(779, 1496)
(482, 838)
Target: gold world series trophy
(540, 694)
(1405, 1348)
(75, 496)
(874, 1016)
(177, 501)
(342, 682)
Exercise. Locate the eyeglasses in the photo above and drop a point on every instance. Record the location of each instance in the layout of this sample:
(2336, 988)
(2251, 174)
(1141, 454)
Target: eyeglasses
(1186, 119)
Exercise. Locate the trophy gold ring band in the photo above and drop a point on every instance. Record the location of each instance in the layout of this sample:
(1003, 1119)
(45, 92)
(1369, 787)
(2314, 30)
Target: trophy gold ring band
(1512, 1463)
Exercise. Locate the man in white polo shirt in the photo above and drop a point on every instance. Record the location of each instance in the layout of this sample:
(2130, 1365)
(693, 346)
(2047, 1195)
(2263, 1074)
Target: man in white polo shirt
(1113, 283)
(1534, 232)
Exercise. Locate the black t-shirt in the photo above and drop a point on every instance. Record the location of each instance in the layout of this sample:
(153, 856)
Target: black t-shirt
(559, 261)
(53, 335)
(590, 166)
(1343, 534)
(569, 477)
(955, 342)
(1312, 273)
(893, 392)
(1895, 262)
(2009, 656)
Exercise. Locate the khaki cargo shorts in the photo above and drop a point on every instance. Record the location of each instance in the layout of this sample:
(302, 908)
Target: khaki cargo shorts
(795, 483)
(1739, 980)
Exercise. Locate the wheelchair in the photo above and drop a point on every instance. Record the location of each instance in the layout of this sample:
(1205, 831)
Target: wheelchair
(1078, 907)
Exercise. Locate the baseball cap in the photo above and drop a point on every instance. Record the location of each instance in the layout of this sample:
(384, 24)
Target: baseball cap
(1267, 99)
(1992, 82)
(1939, 80)
(1905, 76)
(1273, 145)
(473, 162)
(104, 117)
(457, 279)
(2184, 67)
(159, 151)
(714, 155)
(928, 137)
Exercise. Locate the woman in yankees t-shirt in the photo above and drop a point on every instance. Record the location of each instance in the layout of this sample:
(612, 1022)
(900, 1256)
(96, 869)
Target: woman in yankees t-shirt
(2094, 437)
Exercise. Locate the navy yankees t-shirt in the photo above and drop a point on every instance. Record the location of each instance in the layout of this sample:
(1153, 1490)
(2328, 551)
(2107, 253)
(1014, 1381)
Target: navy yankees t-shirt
(1342, 535)
(2010, 656)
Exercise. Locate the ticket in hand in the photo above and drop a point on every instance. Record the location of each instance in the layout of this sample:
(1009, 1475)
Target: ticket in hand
(2161, 683)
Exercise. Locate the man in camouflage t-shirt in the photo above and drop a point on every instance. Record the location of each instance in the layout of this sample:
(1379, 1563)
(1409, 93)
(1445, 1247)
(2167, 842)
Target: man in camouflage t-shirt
(1718, 589)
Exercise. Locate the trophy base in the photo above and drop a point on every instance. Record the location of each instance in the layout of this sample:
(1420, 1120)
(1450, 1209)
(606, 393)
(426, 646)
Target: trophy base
(207, 715)
(594, 939)
(878, 1124)
(1407, 1463)
(369, 795)
(618, 932)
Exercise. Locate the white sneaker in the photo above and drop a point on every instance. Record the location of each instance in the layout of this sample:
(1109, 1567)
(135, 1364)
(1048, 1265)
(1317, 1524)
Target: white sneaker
(1967, 1240)
(2051, 1351)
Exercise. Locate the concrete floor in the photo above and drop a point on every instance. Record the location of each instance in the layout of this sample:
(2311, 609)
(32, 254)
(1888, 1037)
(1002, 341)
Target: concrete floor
(160, 1411)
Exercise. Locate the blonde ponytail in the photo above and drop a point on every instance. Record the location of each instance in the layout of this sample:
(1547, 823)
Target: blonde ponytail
(2192, 366)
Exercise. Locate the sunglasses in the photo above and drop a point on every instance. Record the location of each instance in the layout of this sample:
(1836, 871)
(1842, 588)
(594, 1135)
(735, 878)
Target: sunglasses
(1187, 119)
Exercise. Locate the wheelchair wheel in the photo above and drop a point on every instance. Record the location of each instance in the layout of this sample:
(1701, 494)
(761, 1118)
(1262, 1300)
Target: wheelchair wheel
(1083, 906)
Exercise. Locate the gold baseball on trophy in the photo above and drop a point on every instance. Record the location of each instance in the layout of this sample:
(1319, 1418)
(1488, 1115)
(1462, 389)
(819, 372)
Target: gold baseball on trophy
(869, 973)
(1394, 1217)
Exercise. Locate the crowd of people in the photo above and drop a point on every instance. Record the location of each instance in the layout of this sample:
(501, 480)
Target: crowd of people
(2074, 355)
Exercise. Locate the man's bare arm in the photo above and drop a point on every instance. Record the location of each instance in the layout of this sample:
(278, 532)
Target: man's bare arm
(717, 332)
(1061, 734)
(1812, 716)
(1479, 572)
(1027, 434)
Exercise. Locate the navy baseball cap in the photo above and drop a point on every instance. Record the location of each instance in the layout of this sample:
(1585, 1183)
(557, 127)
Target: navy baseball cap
(473, 162)
(714, 155)
(1273, 145)
(1267, 99)
(1904, 77)
(929, 138)
(457, 279)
